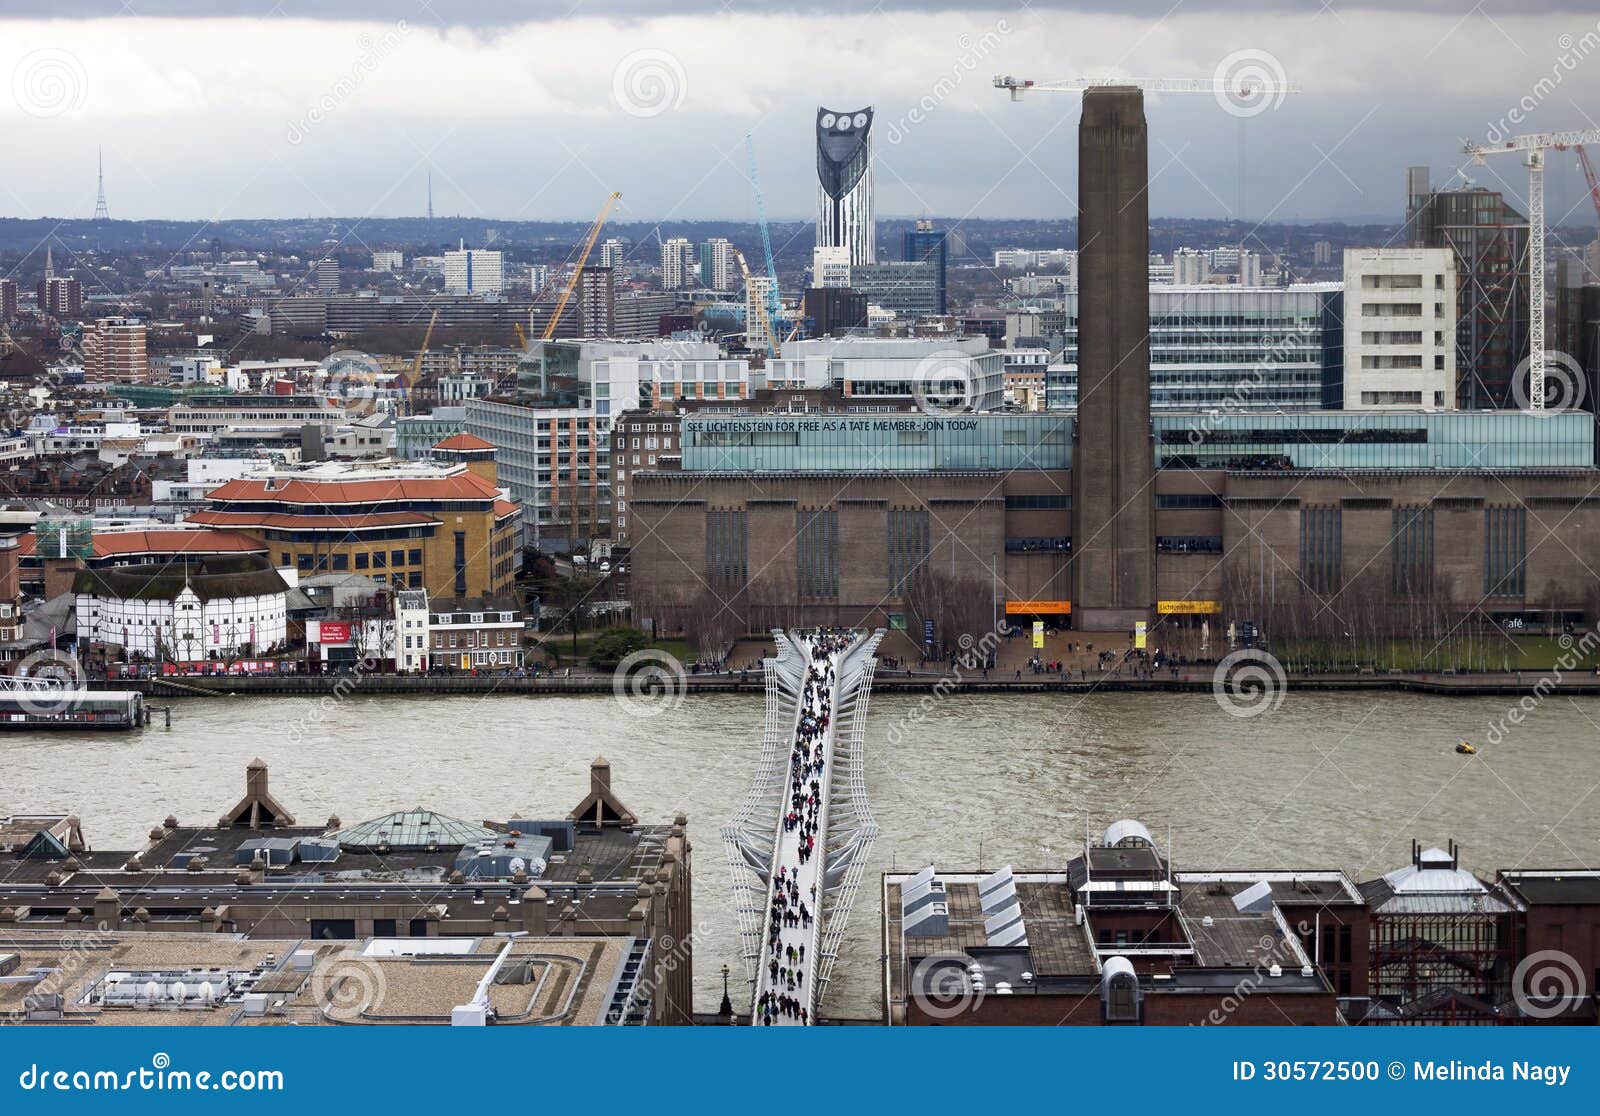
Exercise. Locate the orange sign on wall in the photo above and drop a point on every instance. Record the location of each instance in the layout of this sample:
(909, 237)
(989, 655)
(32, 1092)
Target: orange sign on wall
(1027, 608)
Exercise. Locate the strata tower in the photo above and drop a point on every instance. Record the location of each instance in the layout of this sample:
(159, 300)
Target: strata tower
(844, 184)
(1113, 499)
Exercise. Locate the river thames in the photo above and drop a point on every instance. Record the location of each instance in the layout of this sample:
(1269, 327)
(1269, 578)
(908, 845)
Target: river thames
(1324, 781)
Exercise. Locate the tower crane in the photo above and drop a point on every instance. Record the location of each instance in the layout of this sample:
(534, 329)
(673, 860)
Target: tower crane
(1533, 147)
(1251, 91)
(416, 365)
(1245, 86)
(774, 306)
(1589, 177)
(577, 271)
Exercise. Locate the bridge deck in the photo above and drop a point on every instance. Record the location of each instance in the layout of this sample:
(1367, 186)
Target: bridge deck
(795, 895)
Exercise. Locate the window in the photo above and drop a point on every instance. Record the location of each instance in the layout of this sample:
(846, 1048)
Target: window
(414, 579)
(1411, 550)
(1188, 501)
(1321, 548)
(1189, 544)
(328, 929)
(379, 559)
(397, 558)
(1038, 501)
(361, 561)
(383, 928)
(415, 556)
(1033, 544)
(341, 561)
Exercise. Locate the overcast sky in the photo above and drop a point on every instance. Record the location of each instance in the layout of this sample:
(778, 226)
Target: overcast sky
(536, 110)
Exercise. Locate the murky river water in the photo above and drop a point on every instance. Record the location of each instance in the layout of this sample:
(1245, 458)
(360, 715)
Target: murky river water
(1324, 781)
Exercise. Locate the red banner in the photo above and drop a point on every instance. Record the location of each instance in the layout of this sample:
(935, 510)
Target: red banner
(335, 631)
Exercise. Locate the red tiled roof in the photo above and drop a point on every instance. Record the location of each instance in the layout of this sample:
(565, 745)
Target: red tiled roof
(174, 542)
(503, 508)
(286, 521)
(464, 442)
(463, 486)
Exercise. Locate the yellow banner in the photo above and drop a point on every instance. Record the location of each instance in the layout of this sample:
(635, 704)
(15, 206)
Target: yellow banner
(1188, 608)
(1139, 636)
(1023, 608)
(1038, 635)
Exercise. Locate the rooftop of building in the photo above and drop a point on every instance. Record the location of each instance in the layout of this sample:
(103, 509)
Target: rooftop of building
(1553, 886)
(210, 577)
(906, 348)
(151, 978)
(336, 483)
(460, 442)
(598, 854)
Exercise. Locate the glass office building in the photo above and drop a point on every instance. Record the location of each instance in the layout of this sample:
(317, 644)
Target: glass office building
(891, 443)
(1229, 347)
(1352, 440)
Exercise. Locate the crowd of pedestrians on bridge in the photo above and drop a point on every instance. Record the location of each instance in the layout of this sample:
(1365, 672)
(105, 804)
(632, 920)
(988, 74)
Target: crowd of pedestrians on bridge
(790, 910)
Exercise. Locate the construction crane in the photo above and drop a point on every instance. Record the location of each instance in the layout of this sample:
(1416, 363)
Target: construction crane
(415, 374)
(1245, 86)
(522, 338)
(1588, 176)
(1251, 92)
(577, 271)
(1533, 147)
(774, 306)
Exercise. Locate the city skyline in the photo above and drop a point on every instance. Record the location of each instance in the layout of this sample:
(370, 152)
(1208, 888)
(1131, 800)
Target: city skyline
(531, 118)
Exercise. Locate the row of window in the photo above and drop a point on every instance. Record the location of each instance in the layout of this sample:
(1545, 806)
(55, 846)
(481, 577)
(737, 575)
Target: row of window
(1039, 501)
(340, 560)
(1189, 544)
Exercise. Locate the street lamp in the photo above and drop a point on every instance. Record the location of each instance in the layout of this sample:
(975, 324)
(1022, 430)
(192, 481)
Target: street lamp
(726, 1010)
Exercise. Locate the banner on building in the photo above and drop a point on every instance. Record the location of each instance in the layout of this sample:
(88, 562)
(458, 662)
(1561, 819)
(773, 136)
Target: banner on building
(1188, 608)
(1040, 608)
(1038, 635)
(1140, 638)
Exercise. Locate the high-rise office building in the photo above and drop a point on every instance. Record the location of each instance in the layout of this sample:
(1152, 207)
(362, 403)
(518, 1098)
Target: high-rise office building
(613, 252)
(677, 264)
(928, 244)
(473, 271)
(325, 276)
(830, 267)
(1400, 328)
(1113, 510)
(1489, 241)
(388, 259)
(834, 311)
(1220, 346)
(8, 299)
(844, 183)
